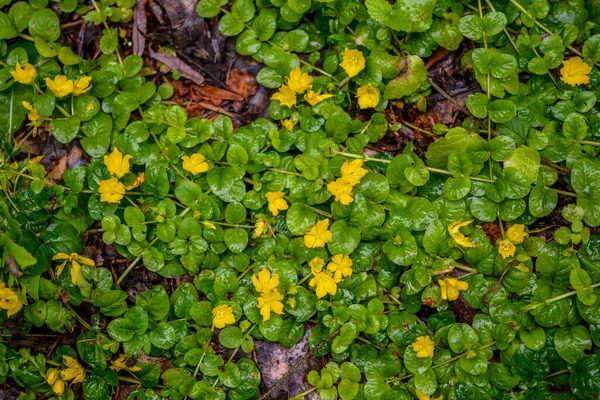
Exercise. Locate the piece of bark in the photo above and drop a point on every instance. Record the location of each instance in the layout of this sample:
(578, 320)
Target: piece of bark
(175, 63)
(275, 361)
(140, 22)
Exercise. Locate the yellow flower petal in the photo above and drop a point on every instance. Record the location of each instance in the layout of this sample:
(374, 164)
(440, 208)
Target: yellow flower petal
(82, 85)
(117, 164)
(263, 282)
(298, 82)
(575, 72)
(506, 248)
(286, 96)
(111, 190)
(60, 86)
(423, 346)
(24, 74)
(450, 288)
(353, 62)
(353, 172)
(195, 163)
(368, 96)
(222, 315)
(324, 284)
(341, 189)
(276, 202)
(270, 301)
(313, 98)
(516, 233)
(458, 237)
(340, 265)
(318, 235)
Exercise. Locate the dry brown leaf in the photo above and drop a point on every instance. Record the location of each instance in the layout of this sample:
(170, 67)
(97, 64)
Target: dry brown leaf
(57, 172)
(242, 83)
(216, 95)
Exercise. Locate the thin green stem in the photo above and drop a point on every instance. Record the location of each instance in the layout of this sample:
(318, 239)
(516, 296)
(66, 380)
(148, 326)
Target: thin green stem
(547, 302)
(418, 129)
(449, 361)
(561, 191)
(430, 169)
(138, 259)
(544, 28)
(301, 395)
(78, 317)
(590, 143)
(108, 31)
(286, 172)
(556, 373)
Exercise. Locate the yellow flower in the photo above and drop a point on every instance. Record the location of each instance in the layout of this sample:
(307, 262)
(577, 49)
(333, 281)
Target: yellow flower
(82, 85)
(451, 288)
(60, 86)
(117, 164)
(74, 370)
(298, 81)
(286, 96)
(222, 315)
(316, 265)
(9, 301)
(341, 190)
(353, 62)
(325, 284)
(111, 190)
(318, 235)
(59, 387)
(313, 98)
(423, 346)
(575, 72)
(24, 74)
(75, 259)
(291, 302)
(340, 265)
(138, 181)
(34, 161)
(195, 163)
(35, 120)
(121, 363)
(458, 237)
(209, 225)
(261, 227)
(52, 375)
(288, 124)
(270, 301)
(353, 172)
(264, 283)
(368, 96)
(516, 233)
(506, 248)
(423, 396)
(276, 202)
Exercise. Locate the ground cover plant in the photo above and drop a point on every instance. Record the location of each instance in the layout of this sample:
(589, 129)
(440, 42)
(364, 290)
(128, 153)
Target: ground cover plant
(410, 190)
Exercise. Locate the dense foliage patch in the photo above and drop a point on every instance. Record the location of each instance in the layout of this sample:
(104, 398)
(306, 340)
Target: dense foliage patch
(294, 222)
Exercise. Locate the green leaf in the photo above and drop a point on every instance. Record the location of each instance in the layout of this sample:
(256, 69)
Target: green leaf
(571, 342)
(300, 218)
(230, 337)
(412, 74)
(65, 130)
(405, 15)
(45, 24)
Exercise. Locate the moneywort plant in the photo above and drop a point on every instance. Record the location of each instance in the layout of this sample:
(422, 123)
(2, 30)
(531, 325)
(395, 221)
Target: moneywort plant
(294, 223)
